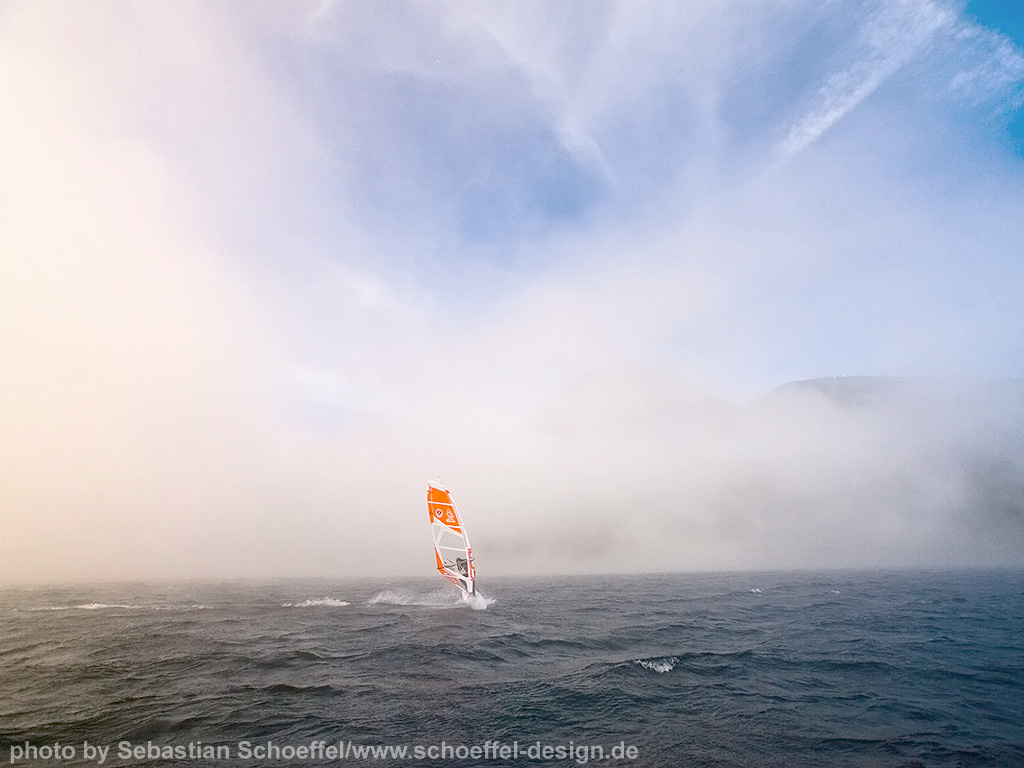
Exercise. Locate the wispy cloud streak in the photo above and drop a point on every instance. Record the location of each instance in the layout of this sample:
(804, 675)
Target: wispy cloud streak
(890, 39)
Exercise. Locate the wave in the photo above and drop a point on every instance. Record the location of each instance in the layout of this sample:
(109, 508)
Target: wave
(444, 598)
(659, 664)
(320, 602)
(286, 688)
(436, 599)
(120, 607)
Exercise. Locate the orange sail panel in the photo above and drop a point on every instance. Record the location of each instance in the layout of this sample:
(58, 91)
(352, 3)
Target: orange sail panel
(451, 543)
(441, 508)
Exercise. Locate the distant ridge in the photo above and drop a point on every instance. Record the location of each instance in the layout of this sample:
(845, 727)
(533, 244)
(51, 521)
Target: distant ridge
(847, 390)
(860, 391)
(942, 456)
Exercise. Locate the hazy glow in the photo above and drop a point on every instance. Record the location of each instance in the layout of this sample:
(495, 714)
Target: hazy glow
(264, 270)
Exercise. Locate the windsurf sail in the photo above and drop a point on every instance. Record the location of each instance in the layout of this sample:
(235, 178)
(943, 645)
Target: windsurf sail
(451, 543)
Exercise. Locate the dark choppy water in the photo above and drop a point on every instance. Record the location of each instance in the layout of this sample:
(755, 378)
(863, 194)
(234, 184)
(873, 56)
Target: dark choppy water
(865, 669)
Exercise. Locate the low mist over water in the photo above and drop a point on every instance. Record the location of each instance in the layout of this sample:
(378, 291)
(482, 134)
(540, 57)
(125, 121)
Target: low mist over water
(621, 476)
(849, 471)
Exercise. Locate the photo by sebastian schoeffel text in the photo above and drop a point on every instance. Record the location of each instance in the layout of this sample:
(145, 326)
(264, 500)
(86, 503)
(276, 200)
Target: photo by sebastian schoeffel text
(316, 750)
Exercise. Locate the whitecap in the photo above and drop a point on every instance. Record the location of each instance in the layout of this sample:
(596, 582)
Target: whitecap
(391, 597)
(120, 606)
(321, 602)
(756, 591)
(442, 598)
(661, 664)
(193, 607)
(478, 602)
(445, 598)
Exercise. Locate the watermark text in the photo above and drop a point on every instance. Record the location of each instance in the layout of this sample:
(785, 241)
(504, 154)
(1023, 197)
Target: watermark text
(318, 750)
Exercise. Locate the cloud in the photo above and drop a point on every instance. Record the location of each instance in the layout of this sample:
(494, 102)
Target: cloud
(131, 356)
(268, 269)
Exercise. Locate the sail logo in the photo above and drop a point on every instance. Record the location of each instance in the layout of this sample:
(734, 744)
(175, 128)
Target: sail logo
(438, 512)
(450, 518)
